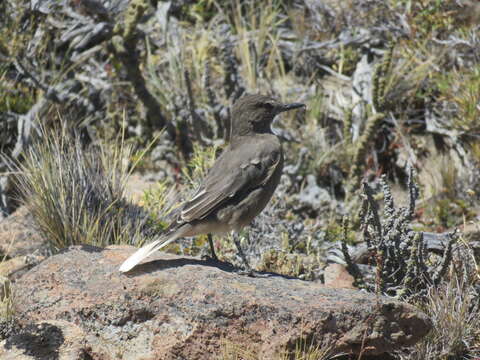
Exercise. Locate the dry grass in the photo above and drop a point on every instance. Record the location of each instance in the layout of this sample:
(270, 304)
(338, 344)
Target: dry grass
(461, 90)
(76, 194)
(257, 27)
(454, 309)
(303, 351)
(7, 300)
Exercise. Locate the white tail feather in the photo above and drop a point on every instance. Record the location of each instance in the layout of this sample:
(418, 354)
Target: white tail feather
(146, 251)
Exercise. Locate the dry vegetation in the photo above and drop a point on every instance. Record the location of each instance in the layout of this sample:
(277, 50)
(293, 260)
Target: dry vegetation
(388, 85)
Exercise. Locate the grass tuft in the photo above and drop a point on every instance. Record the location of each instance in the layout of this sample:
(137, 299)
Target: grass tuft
(454, 310)
(6, 300)
(76, 194)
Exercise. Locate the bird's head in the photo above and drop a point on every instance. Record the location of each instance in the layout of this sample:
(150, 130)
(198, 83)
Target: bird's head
(255, 113)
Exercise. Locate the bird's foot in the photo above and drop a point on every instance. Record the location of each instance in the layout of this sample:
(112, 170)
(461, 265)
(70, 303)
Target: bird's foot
(212, 256)
(242, 255)
(212, 248)
(245, 272)
(251, 273)
(209, 257)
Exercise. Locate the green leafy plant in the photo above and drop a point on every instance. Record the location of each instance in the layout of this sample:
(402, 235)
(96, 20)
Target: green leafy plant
(402, 266)
(462, 89)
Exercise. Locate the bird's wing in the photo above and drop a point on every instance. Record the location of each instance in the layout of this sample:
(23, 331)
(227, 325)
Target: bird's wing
(236, 171)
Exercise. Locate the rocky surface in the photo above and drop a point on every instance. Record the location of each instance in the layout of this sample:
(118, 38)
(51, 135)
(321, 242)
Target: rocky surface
(337, 276)
(21, 246)
(176, 307)
(17, 266)
(46, 340)
(18, 236)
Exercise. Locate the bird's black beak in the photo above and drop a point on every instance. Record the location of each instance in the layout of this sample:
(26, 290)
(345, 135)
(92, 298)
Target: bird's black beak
(287, 107)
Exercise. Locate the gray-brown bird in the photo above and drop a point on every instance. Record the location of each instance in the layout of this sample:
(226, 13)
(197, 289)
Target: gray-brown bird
(240, 183)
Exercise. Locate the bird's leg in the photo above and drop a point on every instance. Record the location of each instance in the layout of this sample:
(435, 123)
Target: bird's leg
(212, 248)
(236, 240)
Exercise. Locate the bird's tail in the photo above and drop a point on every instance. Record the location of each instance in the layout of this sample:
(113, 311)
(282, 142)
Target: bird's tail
(147, 250)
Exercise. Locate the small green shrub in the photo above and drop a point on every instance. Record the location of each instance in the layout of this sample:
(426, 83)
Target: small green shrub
(402, 265)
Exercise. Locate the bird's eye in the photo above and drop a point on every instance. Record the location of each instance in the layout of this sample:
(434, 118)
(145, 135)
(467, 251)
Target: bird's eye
(268, 105)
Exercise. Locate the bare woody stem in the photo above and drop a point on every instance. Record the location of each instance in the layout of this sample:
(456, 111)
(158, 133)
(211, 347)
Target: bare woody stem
(123, 46)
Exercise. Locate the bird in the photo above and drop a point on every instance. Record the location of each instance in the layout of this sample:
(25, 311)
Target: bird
(239, 184)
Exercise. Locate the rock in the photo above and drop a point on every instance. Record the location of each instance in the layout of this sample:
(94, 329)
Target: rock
(358, 252)
(184, 308)
(18, 236)
(52, 340)
(337, 276)
(16, 267)
(313, 196)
